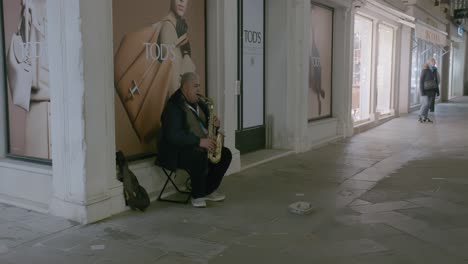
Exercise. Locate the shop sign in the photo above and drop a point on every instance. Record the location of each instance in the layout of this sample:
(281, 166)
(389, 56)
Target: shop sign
(460, 31)
(430, 35)
(460, 13)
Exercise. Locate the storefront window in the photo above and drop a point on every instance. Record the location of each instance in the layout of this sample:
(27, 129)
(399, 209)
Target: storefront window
(362, 68)
(453, 50)
(384, 69)
(27, 69)
(421, 53)
(148, 65)
(320, 62)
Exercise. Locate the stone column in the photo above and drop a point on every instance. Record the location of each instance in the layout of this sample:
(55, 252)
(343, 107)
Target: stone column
(229, 51)
(342, 88)
(403, 99)
(222, 69)
(297, 33)
(81, 80)
(3, 106)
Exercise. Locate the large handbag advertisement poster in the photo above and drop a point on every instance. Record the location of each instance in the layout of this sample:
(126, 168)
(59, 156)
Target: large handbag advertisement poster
(155, 42)
(27, 71)
(320, 62)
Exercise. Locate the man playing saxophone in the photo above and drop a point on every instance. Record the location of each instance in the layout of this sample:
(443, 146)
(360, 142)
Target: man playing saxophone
(185, 142)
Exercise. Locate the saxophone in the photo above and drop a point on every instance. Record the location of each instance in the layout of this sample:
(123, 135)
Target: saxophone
(213, 156)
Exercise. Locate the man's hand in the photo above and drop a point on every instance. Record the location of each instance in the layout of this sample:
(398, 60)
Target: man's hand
(216, 122)
(208, 144)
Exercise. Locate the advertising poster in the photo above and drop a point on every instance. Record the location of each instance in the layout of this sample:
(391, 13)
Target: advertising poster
(155, 42)
(320, 62)
(27, 72)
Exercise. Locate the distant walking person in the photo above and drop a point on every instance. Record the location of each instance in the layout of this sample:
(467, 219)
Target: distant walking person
(429, 88)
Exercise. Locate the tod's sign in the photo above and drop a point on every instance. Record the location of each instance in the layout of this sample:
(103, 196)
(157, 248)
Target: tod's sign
(161, 52)
(430, 35)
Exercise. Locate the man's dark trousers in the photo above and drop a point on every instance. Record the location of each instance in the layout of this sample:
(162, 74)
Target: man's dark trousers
(205, 176)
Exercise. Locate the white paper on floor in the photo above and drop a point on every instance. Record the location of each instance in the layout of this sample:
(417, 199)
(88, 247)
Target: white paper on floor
(300, 208)
(98, 247)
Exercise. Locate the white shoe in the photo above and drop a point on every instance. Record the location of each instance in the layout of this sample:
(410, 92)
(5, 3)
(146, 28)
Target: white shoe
(199, 202)
(215, 197)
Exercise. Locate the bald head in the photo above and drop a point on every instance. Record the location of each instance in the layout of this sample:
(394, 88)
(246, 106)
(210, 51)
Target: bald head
(190, 86)
(188, 77)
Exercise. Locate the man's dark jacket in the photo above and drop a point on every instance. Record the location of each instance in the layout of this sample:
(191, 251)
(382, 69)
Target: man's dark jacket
(175, 133)
(426, 75)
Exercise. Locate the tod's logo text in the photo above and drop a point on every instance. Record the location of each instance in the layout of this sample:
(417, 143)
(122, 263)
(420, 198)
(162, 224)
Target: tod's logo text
(155, 51)
(315, 62)
(31, 50)
(253, 36)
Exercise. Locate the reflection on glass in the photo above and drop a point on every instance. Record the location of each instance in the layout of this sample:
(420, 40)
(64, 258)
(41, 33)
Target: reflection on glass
(384, 69)
(362, 68)
(415, 69)
(421, 53)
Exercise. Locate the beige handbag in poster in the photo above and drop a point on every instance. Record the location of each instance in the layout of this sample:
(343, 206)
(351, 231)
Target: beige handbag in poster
(27, 65)
(19, 65)
(142, 82)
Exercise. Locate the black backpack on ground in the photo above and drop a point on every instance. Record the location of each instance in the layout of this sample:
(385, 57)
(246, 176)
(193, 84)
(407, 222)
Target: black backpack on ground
(135, 195)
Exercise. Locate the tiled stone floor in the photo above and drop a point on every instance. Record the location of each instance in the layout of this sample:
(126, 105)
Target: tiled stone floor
(395, 194)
